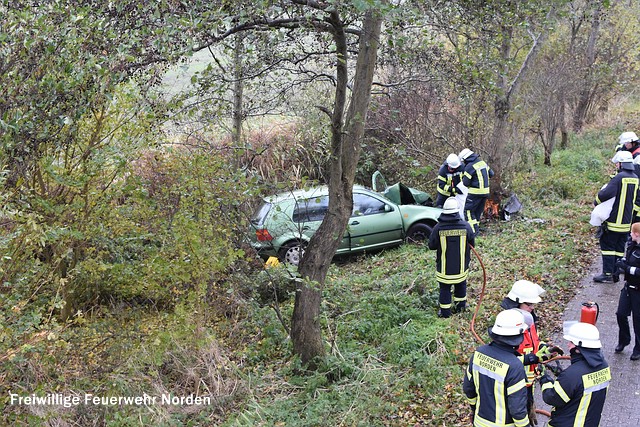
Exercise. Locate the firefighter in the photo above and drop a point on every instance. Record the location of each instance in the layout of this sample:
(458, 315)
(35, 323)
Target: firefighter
(629, 301)
(476, 178)
(623, 188)
(495, 382)
(449, 177)
(628, 141)
(523, 296)
(578, 393)
(452, 237)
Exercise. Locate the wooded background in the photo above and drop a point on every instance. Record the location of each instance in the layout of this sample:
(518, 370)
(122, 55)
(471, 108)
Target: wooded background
(136, 138)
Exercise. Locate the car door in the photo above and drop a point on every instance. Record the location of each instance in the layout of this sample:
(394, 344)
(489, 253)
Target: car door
(374, 223)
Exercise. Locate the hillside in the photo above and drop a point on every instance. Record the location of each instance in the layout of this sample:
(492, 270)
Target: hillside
(391, 360)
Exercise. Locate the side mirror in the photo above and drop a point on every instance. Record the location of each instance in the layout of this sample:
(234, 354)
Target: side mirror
(388, 208)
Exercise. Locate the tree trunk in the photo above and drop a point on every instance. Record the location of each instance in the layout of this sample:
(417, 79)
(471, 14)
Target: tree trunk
(564, 141)
(547, 144)
(564, 133)
(345, 151)
(238, 89)
(585, 97)
(502, 107)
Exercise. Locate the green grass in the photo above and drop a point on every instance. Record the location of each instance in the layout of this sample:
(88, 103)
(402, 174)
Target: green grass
(380, 309)
(390, 360)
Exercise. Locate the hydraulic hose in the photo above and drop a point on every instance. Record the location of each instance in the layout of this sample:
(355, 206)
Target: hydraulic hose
(475, 314)
(484, 287)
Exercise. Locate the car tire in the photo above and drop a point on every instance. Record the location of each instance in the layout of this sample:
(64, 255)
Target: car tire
(292, 252)
(419, 232)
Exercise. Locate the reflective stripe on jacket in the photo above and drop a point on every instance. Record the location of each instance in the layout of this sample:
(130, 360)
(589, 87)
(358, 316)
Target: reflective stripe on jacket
(495, 384)
(578, 394)
(447, 181)
(476, 175)
(452, 236)
(624, 188)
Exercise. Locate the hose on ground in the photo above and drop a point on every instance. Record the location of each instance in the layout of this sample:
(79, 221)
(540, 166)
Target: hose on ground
(484, 287)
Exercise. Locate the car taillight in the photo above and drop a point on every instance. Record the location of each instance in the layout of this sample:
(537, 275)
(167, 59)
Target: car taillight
(263, 235)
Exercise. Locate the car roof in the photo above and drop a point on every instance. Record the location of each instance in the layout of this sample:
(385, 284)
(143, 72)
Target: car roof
(305, 193)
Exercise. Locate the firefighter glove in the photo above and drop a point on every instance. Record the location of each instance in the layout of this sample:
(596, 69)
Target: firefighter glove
(622, 266)
(546, 378)
(545, 353)
(556, 351)
(530, 359)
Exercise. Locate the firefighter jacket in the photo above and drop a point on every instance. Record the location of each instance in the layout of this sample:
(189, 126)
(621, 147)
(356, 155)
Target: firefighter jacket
(579, 392)
(632, 260)
(624, 188)
(530, 345)
(447, 181)
(452, 236)
(495, 384)
(476, 176)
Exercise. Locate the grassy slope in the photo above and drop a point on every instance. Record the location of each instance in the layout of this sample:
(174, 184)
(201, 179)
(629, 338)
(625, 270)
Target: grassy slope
(391, 361)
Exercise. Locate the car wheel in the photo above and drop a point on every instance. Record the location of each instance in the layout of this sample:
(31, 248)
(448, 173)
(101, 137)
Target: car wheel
(292, 252)
(419, 232)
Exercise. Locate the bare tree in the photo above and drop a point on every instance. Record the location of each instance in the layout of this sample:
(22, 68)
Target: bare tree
(587, 93)
(344, 23)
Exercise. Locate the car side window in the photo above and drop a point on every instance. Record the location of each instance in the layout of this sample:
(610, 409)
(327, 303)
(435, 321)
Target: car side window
(313, 209)
(364, 204)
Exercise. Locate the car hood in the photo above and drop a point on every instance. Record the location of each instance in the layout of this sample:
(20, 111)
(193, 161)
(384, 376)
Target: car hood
(399, 193)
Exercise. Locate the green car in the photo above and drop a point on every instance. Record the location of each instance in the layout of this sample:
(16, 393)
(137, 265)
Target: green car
(284, 223)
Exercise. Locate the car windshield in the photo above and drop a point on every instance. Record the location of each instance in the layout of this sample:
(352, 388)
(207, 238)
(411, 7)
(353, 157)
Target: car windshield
(260, 214)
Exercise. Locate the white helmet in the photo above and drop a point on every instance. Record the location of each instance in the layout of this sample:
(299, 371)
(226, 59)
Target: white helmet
(525, 291)
(627, 137)
(583, 335)
(622, 156)
(450, 206)
(509, 323)
(453, 161)
(465, 153)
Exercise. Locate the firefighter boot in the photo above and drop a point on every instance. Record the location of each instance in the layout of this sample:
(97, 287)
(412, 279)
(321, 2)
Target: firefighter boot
(603, 278)
(445, 313)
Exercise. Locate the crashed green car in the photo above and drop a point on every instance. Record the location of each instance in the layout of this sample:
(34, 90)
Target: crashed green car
(284, 223)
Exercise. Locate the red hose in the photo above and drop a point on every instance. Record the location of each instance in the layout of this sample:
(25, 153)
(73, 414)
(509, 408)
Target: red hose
(475, 314)
(484, 287)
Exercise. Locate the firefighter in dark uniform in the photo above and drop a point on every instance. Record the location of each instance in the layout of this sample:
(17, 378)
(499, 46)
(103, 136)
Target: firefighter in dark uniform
(495, 382)
(476, 178)
(629, 302)
(623, 188)
(628, 141)
(523, 296)
(449, 177)
(579, 392)
(452, 237)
